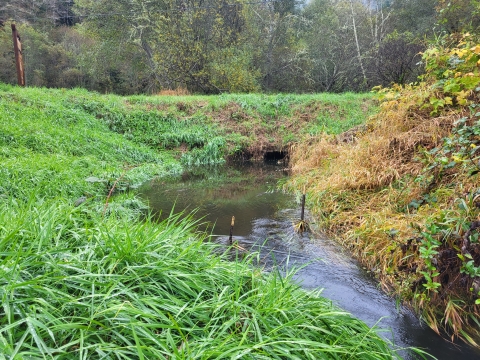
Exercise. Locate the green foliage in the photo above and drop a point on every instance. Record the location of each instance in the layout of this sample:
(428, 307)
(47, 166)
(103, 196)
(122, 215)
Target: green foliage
(328, 58)
(428, 252)
(7, 61)
(417, 17)
(456, 16)
(231, 71)
(456, 78)
(469, 268)
(279, 51)
(455, 73)
(156, 129)
(450, 237)
(182, 44)
(459, 150)
(404, 197)
(339, 116)
(201, 129)
(49, 145)
(212, 46)
(212, 153)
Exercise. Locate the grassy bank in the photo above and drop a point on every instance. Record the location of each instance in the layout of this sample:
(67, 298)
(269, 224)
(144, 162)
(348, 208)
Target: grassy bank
(83, 277)
(402, 193)
(78, 286)
(70, 136)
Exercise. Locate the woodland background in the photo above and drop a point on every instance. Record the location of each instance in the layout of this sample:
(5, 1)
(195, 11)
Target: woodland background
(215, 46)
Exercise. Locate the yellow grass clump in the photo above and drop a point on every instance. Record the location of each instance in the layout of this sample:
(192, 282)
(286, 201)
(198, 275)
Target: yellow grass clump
(381, 152)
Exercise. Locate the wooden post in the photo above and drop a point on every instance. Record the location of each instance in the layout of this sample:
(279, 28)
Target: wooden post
(231, 230)
(17, 48)
(302, 216)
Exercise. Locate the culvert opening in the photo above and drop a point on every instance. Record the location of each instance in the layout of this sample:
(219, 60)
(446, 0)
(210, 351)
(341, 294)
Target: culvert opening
(275, 156)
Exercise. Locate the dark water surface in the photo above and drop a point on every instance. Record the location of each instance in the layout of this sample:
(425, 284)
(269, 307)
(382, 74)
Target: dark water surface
(263, 223)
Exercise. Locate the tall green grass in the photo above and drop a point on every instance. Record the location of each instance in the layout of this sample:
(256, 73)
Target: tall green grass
(86, 287)
(246, 123)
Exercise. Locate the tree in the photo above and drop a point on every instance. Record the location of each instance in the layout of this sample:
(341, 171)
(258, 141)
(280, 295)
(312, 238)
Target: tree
(326, 45)
(8, 73)
(212, 46)
(280, 53)
(413, 16)
(180, 39)
(53, 12)
(459, 15)
(339, 52)
(398, 59)
(192, 42)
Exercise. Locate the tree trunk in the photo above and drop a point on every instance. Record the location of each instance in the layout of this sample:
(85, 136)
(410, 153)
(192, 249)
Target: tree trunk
(359, 54)
(151, 62)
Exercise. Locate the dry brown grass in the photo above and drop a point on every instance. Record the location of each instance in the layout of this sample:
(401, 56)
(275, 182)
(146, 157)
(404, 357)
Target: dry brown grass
(361, 188)
(180, 91)
(402, 192)
(382, 154)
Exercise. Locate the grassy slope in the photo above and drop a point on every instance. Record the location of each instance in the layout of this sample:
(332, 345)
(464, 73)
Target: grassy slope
(50, 144)
(248, 124)
(82, 282)
(404, 195)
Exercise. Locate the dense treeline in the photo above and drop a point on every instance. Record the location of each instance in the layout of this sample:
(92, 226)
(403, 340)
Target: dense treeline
(212, 46)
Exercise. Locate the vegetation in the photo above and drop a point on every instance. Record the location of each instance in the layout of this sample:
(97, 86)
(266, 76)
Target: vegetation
(49, 145)
(197, 129)
(87, 275)
(75, 285)
(402, 192)
(217, 46)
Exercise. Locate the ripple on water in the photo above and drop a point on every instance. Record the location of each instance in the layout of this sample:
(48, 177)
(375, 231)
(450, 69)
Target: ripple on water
(325, 265)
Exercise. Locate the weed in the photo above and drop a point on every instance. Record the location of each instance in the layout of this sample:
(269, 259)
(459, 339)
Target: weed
(211, 154)
(82, 286)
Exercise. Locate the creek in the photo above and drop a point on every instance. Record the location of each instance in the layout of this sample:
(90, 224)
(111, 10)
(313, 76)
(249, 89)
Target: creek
(263, 223)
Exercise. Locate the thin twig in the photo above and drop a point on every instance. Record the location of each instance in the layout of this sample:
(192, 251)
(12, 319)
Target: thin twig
(113, 188)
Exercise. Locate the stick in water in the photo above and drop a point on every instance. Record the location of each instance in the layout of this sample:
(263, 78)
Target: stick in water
(231, 230)
(302, 216)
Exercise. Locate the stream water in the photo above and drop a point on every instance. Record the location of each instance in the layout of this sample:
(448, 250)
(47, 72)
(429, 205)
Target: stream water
(263, 223)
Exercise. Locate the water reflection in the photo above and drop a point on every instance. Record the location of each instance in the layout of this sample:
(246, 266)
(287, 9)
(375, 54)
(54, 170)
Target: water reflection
(245, 191)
